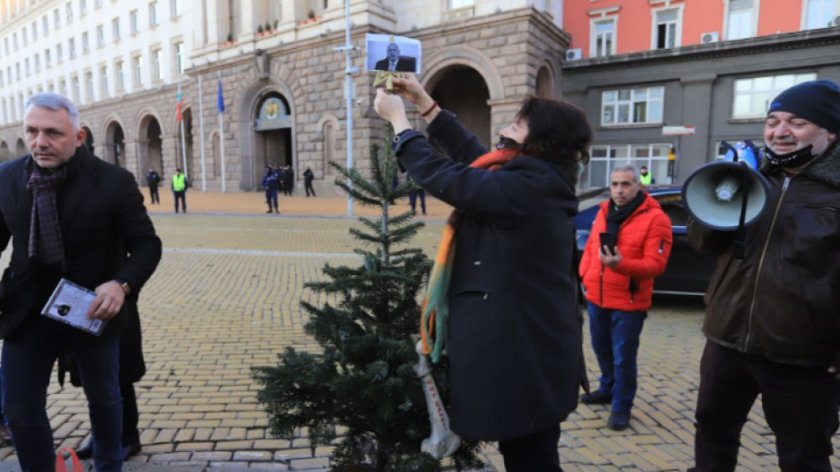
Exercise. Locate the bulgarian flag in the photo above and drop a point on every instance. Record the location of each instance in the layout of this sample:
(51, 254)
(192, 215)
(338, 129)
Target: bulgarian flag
(180, 101)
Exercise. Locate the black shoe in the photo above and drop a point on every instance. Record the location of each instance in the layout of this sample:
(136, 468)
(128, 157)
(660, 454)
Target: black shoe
(598, 397)
(269, 210)
(85, 451)
(619, 421)
(131, 450)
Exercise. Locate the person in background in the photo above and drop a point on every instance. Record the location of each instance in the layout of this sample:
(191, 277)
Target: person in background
(308, 177)
(645, 177)
(153, 181)
(629, 244)
(270, 183)
(179, 189)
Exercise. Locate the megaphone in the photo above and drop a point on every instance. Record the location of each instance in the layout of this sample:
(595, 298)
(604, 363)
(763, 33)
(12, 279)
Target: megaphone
(730, 194)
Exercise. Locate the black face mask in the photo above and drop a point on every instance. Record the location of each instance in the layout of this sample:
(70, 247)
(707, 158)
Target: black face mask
(507, 143)
(793, 159)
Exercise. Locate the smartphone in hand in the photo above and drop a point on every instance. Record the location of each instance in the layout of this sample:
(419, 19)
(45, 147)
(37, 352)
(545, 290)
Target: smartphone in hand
(609, 240)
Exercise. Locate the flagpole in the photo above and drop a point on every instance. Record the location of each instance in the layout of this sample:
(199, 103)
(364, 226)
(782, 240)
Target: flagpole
(348, 85)
(183, 138)
(220, 106)
(201, 131)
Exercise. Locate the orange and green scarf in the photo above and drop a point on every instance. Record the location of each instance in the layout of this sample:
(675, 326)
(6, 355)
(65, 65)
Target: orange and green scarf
(435, 312)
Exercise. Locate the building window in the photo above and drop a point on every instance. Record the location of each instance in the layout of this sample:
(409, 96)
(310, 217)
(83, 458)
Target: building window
(178, 50)
(45, 25)
(85, 43)
(69, 12)
(82, 8)
(137, 65)
(71, 48)
(605, 158)
(24, 36)
(47, 59)
(454, 4)
(34, 31)
(115, 29)
(103, 82)
(59, 53)
(100, 36)
(632, 106)
(666, 28)
(89, 87)
(98, 4)
(153, 16)
(56, 19)
(62, 87)
(119, 66)
(133, 22)
(37, 63)
(740, 21)
(75, 88)
(603, 38)
(753, 95)
(174, 8)
(819, 13)
(157, 65)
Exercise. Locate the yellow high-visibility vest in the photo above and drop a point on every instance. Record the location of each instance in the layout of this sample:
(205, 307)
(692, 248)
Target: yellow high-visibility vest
(179, 182)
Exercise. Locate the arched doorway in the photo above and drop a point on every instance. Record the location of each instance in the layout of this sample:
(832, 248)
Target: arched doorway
(545, 83)
(115, 144)
(4, 151)
(150, 146)
(184, 160)
(20, 148)
(89, 140)
(462, 90)
(273, 135)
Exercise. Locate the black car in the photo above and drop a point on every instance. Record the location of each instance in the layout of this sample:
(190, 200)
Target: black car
(688, 271)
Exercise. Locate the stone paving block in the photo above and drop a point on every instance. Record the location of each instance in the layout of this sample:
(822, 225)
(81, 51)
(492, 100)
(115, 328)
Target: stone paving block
(252, 456)
(170, 457)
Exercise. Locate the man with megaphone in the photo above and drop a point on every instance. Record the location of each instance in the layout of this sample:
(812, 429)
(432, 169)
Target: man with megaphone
(773, 307)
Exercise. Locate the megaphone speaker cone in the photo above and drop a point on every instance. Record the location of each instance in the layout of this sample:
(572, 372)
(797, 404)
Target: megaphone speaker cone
(714, 195)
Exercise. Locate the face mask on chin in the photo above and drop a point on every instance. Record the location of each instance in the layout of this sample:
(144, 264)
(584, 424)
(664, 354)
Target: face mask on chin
(793, 159)
(507, 143)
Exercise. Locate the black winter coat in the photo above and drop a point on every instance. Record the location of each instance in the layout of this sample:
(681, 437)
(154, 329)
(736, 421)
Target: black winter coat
(514, 347)
(107, 235)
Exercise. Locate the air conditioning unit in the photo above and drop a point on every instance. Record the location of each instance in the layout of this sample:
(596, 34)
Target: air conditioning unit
(574, 54)
(711, 37)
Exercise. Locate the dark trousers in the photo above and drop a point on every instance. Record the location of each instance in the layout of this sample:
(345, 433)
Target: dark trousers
(153, 193)
(271, 199)
(131, 415)
(28, 360)
(412, 199)
(309, 189)
(536, 452)
(182, 196)
(615, 340)
(800, 405)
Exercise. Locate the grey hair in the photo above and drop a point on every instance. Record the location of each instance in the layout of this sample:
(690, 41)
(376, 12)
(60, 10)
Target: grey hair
(55, 102)
(628, 168)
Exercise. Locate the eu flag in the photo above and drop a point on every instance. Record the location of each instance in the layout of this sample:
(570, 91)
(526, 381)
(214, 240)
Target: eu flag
(220, 100)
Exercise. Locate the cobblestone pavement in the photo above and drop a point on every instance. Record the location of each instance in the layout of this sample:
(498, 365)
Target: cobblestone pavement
(226, 298)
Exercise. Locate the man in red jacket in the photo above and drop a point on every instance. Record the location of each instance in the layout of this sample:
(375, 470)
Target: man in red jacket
(628, 246)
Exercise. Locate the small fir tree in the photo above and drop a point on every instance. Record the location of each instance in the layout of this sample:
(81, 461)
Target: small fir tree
(364, 379)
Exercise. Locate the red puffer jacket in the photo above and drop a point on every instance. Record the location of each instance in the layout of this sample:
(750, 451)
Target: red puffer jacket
(644, 241)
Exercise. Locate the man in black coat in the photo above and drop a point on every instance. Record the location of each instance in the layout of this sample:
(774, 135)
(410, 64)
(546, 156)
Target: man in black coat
(394, 62)
(153, 180)
(68, 215)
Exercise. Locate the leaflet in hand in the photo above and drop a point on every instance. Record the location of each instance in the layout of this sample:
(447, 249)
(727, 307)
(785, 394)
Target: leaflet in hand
(69, 304)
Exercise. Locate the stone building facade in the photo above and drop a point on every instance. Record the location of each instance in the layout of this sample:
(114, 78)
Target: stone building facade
(284, 90)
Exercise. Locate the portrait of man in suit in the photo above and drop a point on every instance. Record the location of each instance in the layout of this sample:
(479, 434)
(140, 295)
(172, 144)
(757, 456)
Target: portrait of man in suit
(394, 62)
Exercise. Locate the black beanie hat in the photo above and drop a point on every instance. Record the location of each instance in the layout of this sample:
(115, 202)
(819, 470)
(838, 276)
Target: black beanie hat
(818, 101)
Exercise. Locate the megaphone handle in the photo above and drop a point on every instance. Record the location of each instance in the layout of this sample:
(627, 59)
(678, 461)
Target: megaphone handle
(738, 244)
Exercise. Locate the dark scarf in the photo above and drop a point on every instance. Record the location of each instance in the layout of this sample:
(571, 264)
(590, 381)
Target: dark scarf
(616, 214)
(45, 242)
